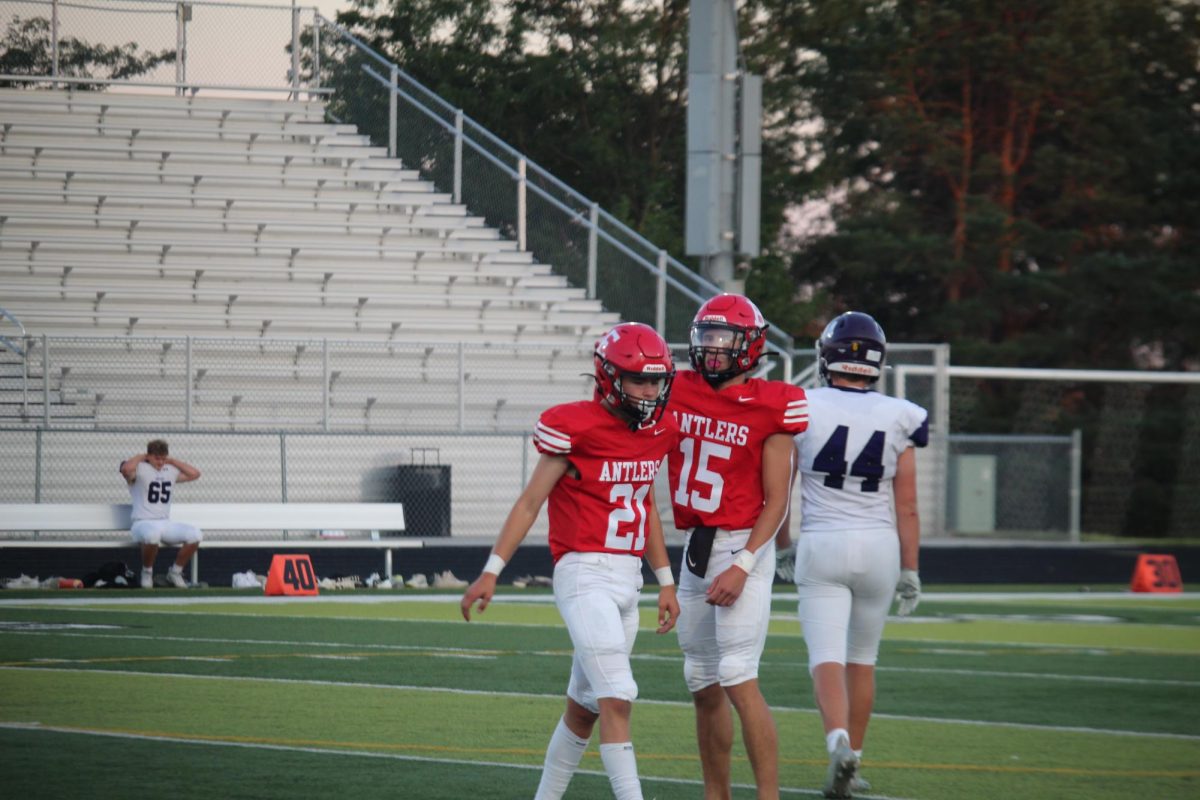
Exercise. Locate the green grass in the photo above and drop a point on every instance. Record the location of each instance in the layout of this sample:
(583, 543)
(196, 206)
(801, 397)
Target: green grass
(983, 699)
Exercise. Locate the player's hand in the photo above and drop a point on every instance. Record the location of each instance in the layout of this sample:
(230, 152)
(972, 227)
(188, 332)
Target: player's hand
(908, 592)
(785, 563)
(727, 587)
(668, 608)
(481, 592)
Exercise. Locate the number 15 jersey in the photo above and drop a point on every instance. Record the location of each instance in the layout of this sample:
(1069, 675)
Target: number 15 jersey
(849, 454)
(716, 472)
(604, 507)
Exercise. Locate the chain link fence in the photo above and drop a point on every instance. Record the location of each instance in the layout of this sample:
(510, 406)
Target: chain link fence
(463, 484)
(198, 383)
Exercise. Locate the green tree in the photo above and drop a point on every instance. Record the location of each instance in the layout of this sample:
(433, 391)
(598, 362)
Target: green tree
(1015, 176)
(27, 49)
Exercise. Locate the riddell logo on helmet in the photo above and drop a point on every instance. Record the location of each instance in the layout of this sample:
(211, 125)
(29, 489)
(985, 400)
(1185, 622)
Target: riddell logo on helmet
(713, 318)
(654, 368)
(857, 369)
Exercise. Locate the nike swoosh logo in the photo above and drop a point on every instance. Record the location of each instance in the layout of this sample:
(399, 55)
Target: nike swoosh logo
(745, 399)
(660, 431)
(689, 560)
(735, 552)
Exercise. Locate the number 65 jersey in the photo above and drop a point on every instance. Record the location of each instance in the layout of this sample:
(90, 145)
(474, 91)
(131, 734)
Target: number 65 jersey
(604, 507)
(848, 457)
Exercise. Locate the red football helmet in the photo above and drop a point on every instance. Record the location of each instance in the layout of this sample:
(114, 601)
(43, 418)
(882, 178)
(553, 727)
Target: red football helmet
(727, 325)
(632, 350)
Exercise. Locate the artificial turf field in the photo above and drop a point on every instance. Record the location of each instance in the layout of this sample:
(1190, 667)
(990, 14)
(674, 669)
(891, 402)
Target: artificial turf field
(226, 694)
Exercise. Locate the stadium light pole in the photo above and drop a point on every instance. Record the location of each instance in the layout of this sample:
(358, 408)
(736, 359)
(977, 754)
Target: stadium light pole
(724, 144)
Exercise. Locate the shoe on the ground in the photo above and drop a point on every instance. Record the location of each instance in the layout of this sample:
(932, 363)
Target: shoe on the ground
(147, 580)
(842, 766)
(447, 580)
(176, 579)
(859, 784)
(522, 581)
(418, 581)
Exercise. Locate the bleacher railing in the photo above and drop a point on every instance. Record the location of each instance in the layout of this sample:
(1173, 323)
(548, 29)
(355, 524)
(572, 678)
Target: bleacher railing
(558, 224)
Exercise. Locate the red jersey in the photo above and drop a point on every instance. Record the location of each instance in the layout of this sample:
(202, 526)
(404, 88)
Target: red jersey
(604, 509)
(716, 472)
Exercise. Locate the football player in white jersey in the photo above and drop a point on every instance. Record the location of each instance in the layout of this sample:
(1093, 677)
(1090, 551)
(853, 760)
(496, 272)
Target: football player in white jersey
(859, 532)
(152, 477)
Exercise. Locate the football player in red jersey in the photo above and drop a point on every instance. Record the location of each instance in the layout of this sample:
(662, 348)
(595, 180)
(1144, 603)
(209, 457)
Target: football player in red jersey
(598, 462)
(730, 480)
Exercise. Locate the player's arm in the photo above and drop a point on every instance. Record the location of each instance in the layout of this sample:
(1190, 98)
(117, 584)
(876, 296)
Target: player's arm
(660, 562)
(546, 474)
(186, 471)
(129, 467)
(908, 527)
(777, 460)
(908, 520)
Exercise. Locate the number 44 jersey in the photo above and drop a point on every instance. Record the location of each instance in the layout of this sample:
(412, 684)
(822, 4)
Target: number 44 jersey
(602, 505)
(848, 457)
(716, 473)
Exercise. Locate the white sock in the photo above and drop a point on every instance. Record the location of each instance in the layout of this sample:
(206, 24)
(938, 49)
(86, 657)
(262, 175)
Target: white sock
(832, 738)
(562, 759)
(858, 754)
(621, 766)
(147, 570)
(178, 570)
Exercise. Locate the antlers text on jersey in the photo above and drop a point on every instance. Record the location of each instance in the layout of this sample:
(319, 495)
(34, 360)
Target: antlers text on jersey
(714, 430)
(629, 471)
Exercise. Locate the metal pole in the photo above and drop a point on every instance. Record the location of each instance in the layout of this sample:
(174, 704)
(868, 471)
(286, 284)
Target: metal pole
(462, 388)
(593, 243)
(54, 38)
(283, 482)
(1076, 483)
(521, 204)
(941, 419)
(187, 397)
(458, 165)
(660, 295)
(180, 48)
(524, 459)
(45, 381)
(295, 51)
(25, 379)
(392, 113)
(316, 55)
(325, 385)
(37, 468)
(283, 471)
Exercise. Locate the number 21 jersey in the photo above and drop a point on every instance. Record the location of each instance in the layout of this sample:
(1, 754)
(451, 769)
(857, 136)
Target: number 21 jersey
(604, 507)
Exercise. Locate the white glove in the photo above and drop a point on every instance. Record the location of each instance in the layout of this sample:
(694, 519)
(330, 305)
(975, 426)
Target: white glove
(908, 592)
(785, 563)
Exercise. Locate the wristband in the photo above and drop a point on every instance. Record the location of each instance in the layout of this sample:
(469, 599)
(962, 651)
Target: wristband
(665, 578)
(495, 565)
(745, 561)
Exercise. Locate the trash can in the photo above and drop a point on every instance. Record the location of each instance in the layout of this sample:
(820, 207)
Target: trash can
(422, 485)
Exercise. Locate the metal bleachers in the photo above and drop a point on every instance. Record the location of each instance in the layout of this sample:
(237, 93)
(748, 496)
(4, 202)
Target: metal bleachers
(134, 215)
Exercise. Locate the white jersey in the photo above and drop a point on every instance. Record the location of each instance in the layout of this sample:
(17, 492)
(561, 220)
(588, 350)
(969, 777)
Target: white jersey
(848, 457)
(151, 491)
